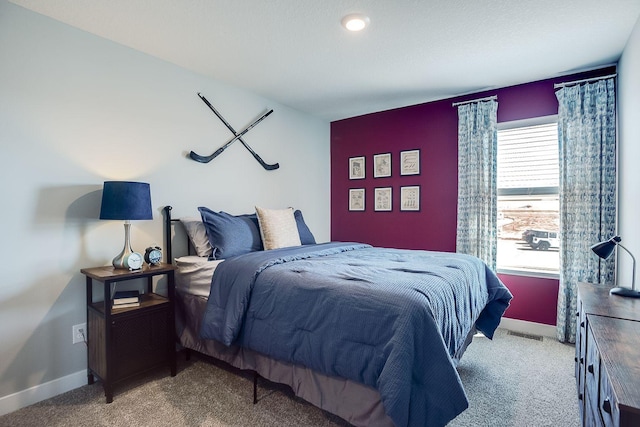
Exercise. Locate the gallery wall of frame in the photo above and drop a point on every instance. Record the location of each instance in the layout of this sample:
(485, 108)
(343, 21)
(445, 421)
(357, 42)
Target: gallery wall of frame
(382, 196)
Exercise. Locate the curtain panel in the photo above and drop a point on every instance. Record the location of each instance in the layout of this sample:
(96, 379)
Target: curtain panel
(477, 180)
(587, 143)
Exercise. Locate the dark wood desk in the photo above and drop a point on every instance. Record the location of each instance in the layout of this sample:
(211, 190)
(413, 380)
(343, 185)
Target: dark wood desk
(607, 357)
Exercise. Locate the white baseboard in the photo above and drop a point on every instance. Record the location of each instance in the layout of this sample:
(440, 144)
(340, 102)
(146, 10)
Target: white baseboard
(40, 392)
(528, 327)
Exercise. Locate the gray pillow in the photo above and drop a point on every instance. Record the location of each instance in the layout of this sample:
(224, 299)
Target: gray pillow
(197, 236)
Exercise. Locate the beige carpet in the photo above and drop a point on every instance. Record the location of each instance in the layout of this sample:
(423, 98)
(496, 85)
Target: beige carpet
(511, 381)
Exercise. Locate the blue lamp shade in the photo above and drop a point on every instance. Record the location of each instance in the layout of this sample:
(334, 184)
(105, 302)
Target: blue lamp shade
(125, 200)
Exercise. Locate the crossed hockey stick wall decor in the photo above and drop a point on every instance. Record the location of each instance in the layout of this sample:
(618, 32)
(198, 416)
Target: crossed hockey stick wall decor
(236, 137)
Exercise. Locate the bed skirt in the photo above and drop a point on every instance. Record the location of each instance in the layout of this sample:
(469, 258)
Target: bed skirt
(357, 403)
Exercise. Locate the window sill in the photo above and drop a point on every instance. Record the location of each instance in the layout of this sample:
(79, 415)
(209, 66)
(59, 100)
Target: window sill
(529, 273)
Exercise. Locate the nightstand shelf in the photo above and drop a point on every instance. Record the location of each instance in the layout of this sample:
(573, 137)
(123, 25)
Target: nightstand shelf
(123, 342)
(146, 300)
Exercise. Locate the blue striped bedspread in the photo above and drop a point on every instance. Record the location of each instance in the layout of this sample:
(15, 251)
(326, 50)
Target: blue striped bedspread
(389, 318)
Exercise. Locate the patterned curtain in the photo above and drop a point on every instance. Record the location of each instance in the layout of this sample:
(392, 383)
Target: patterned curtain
(477, 175)
(587, 139)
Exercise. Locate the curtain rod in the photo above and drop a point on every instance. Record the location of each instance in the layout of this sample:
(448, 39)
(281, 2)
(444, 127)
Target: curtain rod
(593, 79)
(488, 98)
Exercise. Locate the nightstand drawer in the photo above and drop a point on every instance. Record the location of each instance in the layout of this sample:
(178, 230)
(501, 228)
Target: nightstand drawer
(139, 342)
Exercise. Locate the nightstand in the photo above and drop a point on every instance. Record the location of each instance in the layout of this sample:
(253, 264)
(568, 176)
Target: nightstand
(128, 341)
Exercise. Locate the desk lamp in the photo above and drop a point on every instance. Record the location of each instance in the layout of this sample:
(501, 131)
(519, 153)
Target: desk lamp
(604, 251)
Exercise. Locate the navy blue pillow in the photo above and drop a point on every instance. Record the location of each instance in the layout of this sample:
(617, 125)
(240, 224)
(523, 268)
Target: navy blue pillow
(231, 235)
(306, 237)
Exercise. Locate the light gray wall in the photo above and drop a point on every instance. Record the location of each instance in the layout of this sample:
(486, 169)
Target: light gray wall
(77, 110)
(629, 156)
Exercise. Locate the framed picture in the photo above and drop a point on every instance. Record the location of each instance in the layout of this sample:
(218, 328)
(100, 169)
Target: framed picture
(356, 167)
(383, 201)
(410, 198)
(382, 165)
(410, 162)
(356, 199)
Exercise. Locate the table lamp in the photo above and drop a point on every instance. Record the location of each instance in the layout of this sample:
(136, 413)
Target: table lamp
(124, 200)
(604, 251)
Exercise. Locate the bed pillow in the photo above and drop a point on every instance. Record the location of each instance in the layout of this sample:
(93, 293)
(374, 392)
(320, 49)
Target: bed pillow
(197, 236)
(231, 235)
(193, 275)
(278, 228)
(306, 237)
(254, 226)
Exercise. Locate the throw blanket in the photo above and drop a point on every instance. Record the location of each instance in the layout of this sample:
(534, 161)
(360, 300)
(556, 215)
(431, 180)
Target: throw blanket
(395, 320)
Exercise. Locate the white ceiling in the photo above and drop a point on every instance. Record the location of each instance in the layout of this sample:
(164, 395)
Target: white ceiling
(414, 51)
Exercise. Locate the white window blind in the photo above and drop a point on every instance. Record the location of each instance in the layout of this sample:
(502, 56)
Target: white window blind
(528, 157)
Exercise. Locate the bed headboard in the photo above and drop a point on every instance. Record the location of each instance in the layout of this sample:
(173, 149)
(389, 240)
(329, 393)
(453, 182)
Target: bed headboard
(167, 235)
(174, 237)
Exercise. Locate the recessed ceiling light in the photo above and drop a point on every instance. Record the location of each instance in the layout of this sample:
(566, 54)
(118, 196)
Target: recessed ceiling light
(355, 22)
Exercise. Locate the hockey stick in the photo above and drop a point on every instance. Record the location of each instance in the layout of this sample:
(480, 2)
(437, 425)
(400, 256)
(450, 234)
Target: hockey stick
(265, 165)
(207, 159)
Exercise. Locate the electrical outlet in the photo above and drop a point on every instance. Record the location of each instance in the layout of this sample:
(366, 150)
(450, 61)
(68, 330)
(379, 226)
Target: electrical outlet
(79, 333)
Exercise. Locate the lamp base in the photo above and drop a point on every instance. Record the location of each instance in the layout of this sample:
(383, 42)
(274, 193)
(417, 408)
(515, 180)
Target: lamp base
(625, 292)
(118, 261)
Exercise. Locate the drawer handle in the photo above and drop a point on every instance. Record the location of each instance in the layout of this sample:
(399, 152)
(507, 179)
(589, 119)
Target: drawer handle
(577, 314)
(606, 405)
(582, 324)
(590, 368)
(582, 360)
(575, 359)
(579, 396)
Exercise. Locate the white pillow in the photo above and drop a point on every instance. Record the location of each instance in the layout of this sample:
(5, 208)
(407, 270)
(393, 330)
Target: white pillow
(278, 228)
(197, 235)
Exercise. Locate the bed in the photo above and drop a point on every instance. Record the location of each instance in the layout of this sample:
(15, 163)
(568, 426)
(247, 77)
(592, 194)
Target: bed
(372, 335)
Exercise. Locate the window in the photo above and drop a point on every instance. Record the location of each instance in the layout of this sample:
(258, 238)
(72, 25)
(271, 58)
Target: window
(528, 203)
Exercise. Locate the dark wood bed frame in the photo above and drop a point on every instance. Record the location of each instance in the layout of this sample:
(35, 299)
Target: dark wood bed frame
(168, 224)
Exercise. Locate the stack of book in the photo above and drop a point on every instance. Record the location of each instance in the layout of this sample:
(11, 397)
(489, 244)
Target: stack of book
(125, 299)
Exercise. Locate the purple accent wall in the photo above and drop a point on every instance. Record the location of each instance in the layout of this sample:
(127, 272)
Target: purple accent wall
(432, 128)
(426, 127)
(534, 299)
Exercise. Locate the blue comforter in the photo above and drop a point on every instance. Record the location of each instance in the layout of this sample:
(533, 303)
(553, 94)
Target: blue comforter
(393, 319)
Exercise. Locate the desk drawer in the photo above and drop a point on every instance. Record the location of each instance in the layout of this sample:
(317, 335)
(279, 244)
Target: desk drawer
(592, 371)
(607, 404)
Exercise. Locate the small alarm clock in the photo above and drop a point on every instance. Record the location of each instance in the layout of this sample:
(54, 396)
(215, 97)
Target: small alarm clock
(132, 261)
(153, 255)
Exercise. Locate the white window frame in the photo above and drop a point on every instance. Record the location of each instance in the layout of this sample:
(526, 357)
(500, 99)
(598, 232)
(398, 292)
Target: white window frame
(534, 121)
